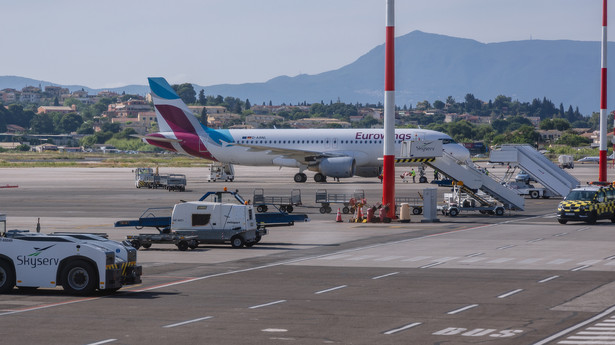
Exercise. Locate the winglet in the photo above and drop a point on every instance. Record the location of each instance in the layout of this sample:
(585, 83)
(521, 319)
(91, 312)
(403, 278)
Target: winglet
(161, 88)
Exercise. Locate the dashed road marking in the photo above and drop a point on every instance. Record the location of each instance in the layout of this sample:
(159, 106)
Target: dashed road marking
(187, 322)
(385, 275)
(456, 311)
(510, 293)
(267, 304)
(403, 328)
(331, 289)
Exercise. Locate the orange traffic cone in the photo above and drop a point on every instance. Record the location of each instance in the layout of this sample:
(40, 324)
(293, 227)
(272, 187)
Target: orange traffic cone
(338, 217)
(360, 213)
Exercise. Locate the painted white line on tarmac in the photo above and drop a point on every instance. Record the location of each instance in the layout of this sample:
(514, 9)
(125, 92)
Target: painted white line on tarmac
(580, 268)
(103, 342)
(385, 275)
(331, 289)
(548, 279)
(575, 327)
(267, 304)
(187, 322)
(403, 328)
(456, 311)
(510, 293)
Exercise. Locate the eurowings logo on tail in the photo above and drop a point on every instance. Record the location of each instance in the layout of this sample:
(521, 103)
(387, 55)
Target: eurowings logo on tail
(180, 130)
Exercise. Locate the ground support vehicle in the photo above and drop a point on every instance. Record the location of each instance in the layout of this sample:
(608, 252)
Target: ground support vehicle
(33, 260)
(222, 172)
(285, 203)
(565, 161)
(147, 178)
(146, 240)
(466, 200)
(588, 203)
(325, 199)
(523, 188)
(416, 203)
(172, 182)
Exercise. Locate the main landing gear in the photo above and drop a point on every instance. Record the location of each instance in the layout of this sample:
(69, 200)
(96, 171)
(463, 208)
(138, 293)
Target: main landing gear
(301, 177)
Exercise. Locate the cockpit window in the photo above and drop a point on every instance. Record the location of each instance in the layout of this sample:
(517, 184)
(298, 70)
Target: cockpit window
(448, 141)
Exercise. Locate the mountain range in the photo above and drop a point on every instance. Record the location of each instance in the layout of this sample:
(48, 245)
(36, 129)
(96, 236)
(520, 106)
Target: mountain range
(431, 67)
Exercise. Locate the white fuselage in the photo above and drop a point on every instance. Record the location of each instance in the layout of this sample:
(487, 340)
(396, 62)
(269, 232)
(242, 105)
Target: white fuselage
(364, 145)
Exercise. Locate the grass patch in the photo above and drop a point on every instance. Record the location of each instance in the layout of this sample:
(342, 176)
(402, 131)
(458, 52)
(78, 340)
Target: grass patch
(84, 159)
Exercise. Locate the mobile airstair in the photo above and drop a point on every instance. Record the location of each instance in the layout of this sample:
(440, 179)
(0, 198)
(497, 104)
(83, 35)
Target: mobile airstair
(539, 167)
(471, 177)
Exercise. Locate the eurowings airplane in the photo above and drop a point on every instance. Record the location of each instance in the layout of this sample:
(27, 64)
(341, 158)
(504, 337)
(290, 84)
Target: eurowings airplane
(336, 153)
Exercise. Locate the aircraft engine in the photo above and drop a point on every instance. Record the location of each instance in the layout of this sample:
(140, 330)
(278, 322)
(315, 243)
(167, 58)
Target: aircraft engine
(373, 171)
(337, 166)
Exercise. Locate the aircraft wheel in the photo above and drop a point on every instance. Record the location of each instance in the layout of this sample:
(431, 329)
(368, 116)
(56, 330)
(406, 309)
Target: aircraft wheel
(320, 178)
(300, 177)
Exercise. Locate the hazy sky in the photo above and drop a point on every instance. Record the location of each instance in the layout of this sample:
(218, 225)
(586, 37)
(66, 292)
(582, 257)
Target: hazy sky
(118, 42)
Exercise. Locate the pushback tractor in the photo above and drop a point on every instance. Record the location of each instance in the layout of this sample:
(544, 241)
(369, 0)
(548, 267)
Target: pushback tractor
(33, 260)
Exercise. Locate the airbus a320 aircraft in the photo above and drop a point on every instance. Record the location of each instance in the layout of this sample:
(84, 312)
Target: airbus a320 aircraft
(336, 153)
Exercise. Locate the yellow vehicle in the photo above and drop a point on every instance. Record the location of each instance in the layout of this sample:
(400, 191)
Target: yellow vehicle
(588, 204)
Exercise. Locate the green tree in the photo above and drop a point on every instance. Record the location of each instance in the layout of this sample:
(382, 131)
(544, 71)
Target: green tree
(70, 123)
(202, 98)
(42, 124)
(186, 92)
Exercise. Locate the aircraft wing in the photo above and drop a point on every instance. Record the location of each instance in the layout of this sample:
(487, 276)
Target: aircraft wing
(304, 156)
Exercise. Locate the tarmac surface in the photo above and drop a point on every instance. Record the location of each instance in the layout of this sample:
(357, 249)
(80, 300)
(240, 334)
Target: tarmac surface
(517, 279)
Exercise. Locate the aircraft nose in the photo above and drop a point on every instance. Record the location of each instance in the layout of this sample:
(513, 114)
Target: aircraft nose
(459, 152)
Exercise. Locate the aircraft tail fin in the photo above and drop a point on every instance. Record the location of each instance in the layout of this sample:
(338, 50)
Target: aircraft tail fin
(172, 113)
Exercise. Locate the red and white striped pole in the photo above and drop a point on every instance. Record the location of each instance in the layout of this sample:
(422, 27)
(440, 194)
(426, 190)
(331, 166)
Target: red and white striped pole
(388, 173)
(603, 114)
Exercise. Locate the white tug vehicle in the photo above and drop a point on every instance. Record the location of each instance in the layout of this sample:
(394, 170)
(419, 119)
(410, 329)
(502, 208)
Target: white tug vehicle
(79, 265)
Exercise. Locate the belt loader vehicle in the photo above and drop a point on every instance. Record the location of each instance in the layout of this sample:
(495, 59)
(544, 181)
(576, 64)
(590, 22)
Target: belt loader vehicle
(79, 266)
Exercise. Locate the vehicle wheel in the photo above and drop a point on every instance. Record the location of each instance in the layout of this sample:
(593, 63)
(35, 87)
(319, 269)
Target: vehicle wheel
(534, 194)
(136, 244)
(250, 244)
(417, 210)
(7, 277)
(300, 177)
(193, 244)
(323, 210)
(499, 211)
(260, 208)
(320, 177)
(79, 278)
(147, 245)
(289, 209)
(562, 221)
(345, 210)
(593, 217)
(422, 179)
(329, 209)
(237, 242)
(258, 238)
(182, 245)
(453, 212)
